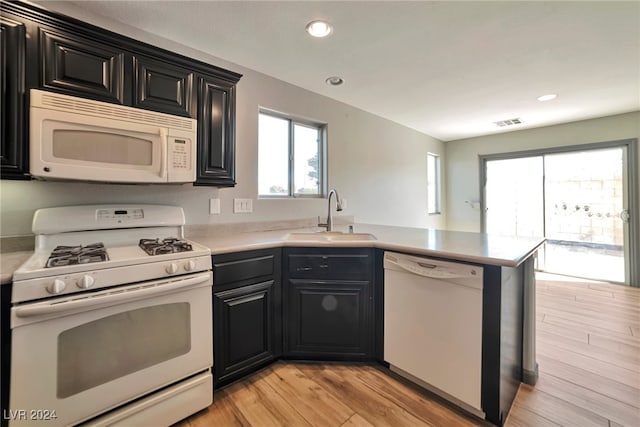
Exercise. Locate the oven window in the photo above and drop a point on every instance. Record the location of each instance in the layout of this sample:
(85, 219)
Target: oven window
(114, 346)
(103, 147)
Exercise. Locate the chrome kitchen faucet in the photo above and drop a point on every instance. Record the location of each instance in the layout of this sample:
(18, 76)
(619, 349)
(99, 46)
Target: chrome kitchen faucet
(329, 223)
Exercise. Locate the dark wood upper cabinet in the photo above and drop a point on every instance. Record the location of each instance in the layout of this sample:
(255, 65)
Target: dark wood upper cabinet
(13, 150)
(163, 87)
(216, 132)
(81, 67)
(46, 50)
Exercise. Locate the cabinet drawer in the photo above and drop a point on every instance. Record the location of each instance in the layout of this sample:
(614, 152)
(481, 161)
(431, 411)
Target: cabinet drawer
(351, 265)
(241, 266)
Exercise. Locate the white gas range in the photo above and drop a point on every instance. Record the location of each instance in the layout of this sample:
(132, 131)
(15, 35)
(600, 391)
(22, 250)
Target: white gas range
(111, 319)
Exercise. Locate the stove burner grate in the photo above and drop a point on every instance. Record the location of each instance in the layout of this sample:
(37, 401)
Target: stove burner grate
(70, 255)
(164, 246)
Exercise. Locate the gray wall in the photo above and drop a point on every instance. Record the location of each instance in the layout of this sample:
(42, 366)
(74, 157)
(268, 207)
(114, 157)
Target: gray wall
(463, 164)
(379, 166)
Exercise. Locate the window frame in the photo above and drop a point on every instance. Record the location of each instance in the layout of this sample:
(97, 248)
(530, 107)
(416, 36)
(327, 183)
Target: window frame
(437, 184)
(322, 155)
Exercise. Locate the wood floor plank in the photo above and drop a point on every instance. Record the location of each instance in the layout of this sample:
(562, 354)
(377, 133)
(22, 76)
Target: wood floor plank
(609, 305)
(588, 327)
(627, 361)
(272, 399)
(616, 289)
(616, 373)
(558, 410)
(371, 406)
(317, 405)
(427, 408)
(613, 344)
(248, 401)
(566, 288)
(594, 309)
(572, 333)
(356, 421)
(523, 417)
(590, 400)
(593, 381)
(587, 320)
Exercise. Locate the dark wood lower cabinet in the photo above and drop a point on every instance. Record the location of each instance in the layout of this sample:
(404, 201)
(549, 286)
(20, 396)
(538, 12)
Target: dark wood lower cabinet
(247, 313)
(328, 319)
(244, 322)
(328, 301)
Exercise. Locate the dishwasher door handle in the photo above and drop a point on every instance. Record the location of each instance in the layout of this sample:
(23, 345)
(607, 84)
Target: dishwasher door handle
(430, 270)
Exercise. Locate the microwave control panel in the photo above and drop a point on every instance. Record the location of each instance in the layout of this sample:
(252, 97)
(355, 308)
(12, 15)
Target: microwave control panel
(180, 159)
(180, 154)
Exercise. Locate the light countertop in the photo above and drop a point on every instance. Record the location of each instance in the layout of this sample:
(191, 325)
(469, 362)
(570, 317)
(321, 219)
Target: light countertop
(9, 262)
(456, 245)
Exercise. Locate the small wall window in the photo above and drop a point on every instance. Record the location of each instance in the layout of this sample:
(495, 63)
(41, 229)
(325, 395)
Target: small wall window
(291, 156)
(433, 184)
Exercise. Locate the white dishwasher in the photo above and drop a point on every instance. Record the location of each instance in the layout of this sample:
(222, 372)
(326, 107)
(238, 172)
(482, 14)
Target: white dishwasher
(433, 326)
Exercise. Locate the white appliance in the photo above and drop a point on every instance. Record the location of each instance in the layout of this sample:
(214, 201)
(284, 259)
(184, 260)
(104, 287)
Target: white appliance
(433, 326)
(109, 334)
(80, 139)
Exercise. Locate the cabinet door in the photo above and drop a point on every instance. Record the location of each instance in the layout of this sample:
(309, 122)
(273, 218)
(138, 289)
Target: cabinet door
(163, 87)
(216, 132)
(13, 154)
(81, 67)
(243, 324)
(328, 319)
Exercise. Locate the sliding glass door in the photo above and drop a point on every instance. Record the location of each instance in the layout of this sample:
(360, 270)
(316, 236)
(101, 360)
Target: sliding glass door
(578, 200)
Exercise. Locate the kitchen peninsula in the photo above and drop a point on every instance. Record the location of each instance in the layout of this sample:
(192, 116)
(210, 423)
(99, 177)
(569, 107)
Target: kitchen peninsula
(508, 292)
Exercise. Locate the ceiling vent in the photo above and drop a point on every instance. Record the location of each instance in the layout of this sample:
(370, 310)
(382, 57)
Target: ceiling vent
(509, 122)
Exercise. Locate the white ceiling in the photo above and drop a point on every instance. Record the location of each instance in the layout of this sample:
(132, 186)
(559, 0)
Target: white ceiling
(448, 69)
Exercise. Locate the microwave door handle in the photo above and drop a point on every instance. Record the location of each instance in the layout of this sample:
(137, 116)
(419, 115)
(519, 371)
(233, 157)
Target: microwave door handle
(163, 153)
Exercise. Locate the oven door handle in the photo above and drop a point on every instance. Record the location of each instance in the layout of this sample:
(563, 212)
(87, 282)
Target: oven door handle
(76, 303)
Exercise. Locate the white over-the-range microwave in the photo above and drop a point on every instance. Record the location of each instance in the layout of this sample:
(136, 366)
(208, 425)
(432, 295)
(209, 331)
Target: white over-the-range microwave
(80, 139)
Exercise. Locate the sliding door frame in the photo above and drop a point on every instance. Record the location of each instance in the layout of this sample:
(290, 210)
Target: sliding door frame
(632, 188)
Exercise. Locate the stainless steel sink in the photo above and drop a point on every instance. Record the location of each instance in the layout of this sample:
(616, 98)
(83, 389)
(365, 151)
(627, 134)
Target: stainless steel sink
(328, 236)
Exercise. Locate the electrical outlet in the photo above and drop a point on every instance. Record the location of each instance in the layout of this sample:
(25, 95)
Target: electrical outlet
(214, 206)
(242, 205)
(344, 204)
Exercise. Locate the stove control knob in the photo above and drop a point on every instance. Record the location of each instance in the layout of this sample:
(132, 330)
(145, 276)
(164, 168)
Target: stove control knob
(56, 287)
(86, 282)
(172, 268)
(190, 265)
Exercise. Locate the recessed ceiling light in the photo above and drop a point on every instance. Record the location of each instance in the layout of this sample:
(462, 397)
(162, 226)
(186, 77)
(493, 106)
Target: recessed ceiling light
(319, 28)
(547, 97)
(334, 81)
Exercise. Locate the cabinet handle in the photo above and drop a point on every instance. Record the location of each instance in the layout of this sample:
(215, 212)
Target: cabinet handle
(304, 268)
(324, 265)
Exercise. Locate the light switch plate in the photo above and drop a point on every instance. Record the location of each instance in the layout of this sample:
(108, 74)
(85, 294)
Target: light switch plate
(242, 205)
(214, 206)
(344, 203)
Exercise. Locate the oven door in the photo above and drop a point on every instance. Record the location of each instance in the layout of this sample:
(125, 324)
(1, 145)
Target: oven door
(69, 145)
(82, 355)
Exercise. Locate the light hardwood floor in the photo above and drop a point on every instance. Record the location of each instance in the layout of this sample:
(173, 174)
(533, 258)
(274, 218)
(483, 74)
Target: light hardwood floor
(588, 347)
